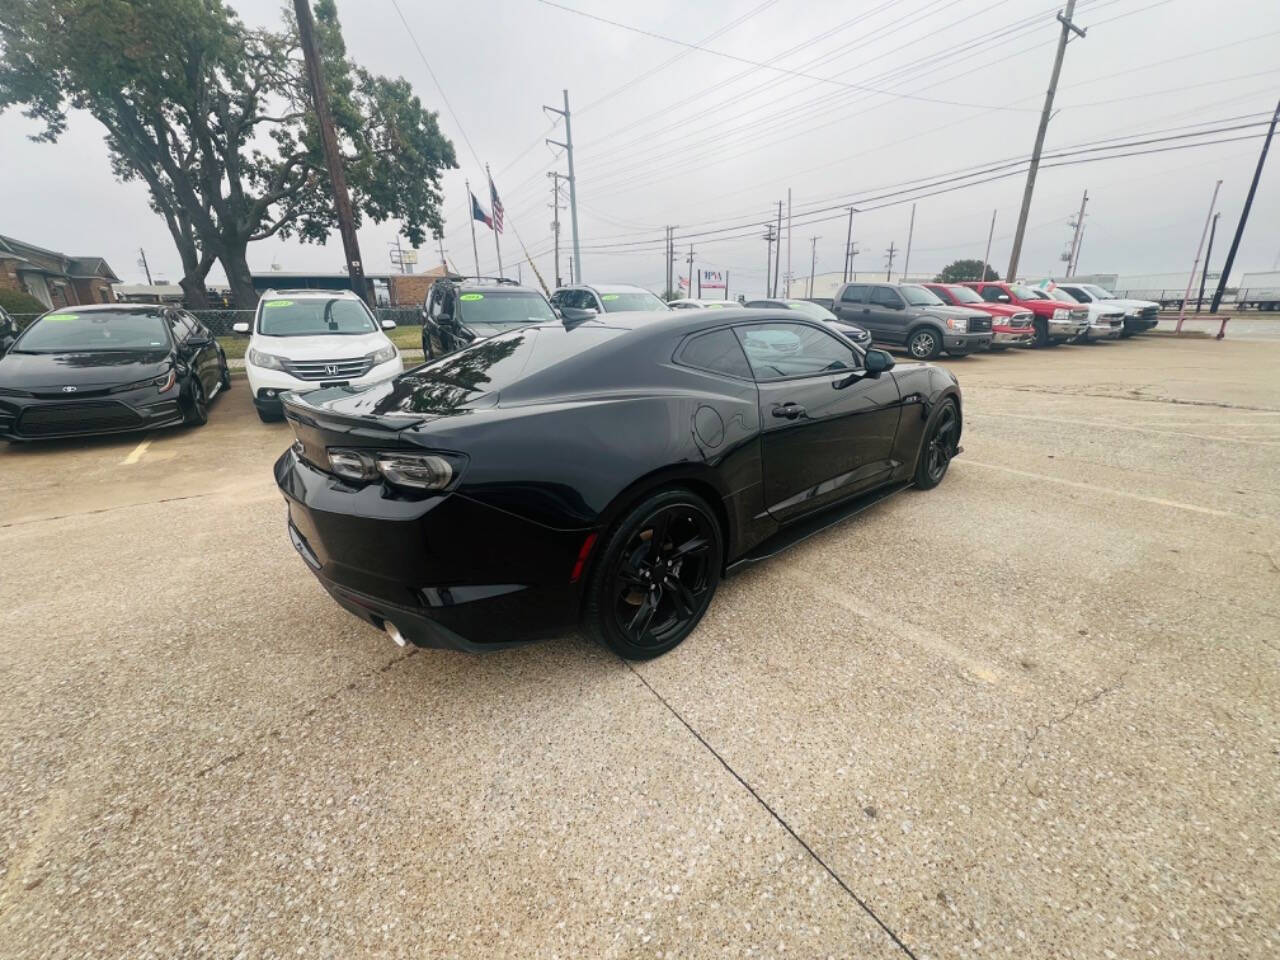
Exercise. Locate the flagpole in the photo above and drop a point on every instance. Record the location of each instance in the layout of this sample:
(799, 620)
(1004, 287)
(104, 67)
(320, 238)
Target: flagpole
(492, 212)
(471, 200)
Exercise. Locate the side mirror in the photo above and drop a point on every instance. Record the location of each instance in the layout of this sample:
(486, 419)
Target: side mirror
(241, 327)
(1003, 298)
(578, 313)
(388, 324)
(878, 361)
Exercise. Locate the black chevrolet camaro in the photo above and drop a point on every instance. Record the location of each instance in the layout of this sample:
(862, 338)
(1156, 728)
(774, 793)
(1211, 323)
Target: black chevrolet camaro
(602, 475)
(109, 369)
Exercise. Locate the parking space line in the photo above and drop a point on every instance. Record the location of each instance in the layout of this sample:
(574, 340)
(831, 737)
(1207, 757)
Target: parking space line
(1098, 488)
(136, 453)
(1132, 429)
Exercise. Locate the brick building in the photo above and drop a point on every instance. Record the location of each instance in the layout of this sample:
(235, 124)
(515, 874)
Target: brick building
(53, 278)
(410, 289)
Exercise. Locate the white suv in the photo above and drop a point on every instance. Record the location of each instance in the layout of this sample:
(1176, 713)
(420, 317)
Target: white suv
(304, 339)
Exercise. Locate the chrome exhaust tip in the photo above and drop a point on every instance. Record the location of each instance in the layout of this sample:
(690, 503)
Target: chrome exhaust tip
(394, 633)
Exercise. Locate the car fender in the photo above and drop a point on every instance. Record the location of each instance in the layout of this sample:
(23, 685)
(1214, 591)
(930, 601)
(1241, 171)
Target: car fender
(924, 386)
(938, 326)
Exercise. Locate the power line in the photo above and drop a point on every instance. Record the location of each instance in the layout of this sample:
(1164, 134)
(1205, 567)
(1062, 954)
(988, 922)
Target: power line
(761, 64)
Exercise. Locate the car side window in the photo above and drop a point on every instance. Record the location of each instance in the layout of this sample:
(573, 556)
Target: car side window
(580, 300)
(448, 305)
(991, 294)
(1079, 295)
(198, 329)
(719, 352)
(942, 293)
(433, 303)
(854, 293)
(885, 297)
(780, 350)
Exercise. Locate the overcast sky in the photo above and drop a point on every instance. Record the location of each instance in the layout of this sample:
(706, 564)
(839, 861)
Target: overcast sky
(670, 135)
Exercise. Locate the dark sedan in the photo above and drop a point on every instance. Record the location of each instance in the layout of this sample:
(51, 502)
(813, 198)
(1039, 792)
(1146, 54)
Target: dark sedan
(109, 369)
(818, 312)
(601, 475)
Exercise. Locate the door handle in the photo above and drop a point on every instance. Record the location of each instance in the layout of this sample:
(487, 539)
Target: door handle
(790, 411)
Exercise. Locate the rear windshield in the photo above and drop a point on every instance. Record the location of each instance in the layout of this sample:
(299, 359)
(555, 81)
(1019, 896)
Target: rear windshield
(630, 302)
(94, 332)
(314, 316)
(919, 296)
(501, 307)
(811, 309)
(964, 295)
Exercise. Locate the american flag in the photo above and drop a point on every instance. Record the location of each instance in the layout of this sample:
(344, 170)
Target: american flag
(496, 206)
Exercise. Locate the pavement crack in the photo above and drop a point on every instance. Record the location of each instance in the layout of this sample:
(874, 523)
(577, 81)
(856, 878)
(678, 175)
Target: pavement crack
(866, 908)
(1140, 398)
(118, 506)
(309, 711)
(1042, 728)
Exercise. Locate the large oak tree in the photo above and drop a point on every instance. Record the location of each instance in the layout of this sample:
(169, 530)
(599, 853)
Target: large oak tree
(214, 117)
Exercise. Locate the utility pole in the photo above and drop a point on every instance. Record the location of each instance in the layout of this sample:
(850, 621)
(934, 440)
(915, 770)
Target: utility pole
(889, 273)
(813, 261)
(986, 258)
(444, 261)
(1244, 215)
(555, 223)
(329, 141)
(790, 275)
(1204, 274)
(777, 256)
(906, 261)
(690, 277)
(575, 265)
(1068, 28)
(472, 204)
(671, 259)
(1074, 255)
(1182, 314)
(848, 247)
(768, 258)
(145, 267)
(1079, 247)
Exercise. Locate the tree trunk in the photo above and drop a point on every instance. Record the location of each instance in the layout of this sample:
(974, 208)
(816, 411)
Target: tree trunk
(194, 294)
(235, 263)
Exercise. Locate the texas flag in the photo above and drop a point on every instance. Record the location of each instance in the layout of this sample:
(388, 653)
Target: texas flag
(477, 213)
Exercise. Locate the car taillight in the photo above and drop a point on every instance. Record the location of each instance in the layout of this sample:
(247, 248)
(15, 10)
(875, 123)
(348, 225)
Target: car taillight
(409, 469)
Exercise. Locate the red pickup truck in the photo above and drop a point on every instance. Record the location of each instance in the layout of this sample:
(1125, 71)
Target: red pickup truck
(1010, 326)
(1053, 322)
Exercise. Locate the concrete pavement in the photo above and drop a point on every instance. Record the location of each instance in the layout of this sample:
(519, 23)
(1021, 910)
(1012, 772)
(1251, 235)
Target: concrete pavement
(1030, 713)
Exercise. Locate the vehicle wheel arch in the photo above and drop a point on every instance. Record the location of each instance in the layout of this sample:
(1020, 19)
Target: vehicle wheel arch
(687, 477)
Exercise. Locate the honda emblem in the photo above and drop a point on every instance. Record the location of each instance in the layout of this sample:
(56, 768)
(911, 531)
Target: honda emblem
(330, 368)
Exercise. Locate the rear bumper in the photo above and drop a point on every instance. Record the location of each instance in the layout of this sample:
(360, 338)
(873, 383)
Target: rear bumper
(448, 571)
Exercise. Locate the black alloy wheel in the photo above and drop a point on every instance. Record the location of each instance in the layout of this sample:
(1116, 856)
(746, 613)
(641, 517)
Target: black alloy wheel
(225, 376)
(656, 576)
(196, 413)
(924, 344)
(940, 442)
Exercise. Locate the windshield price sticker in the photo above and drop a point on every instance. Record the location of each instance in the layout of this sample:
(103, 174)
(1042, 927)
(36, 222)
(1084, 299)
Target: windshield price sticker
(62, 316)
(472, 296)
(278, 303)
(610, 296)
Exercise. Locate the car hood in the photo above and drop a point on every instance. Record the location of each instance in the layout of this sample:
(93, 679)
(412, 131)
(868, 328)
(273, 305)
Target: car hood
(957, 312)
(1130, 304)
(333, 346)
(39, 372)
(998, 309)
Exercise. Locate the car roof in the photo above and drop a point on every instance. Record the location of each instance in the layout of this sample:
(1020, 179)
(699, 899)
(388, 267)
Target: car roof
(469, 285)
(311, 293)
(113, 308)
(608, 287)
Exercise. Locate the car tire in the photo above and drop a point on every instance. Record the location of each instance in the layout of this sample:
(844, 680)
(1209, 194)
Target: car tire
(269, 416)
(1041, 337)
(632, 586)
(924, 344)
(1126, 333)
(195, 409)
(939, 445)
(225, 377)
